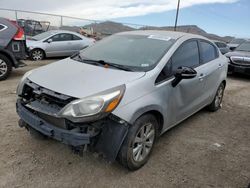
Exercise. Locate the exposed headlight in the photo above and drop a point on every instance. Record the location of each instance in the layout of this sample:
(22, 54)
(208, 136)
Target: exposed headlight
(21, 83)
(95, 106)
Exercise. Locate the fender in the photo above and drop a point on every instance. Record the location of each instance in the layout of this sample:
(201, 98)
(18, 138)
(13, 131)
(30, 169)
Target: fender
(144, 110)
(111, 138)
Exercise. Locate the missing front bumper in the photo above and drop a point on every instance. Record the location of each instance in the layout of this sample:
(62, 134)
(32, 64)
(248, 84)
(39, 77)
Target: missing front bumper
(107, 142)
(70, 137)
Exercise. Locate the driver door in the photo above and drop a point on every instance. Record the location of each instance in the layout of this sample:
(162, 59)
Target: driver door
(188, 96)
(61, 45)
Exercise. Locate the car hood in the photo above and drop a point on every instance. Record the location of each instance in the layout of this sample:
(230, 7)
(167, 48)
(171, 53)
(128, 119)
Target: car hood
(238, 53)
(77, 79)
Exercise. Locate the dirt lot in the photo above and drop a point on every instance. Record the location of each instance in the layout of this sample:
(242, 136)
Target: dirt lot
(207, 150)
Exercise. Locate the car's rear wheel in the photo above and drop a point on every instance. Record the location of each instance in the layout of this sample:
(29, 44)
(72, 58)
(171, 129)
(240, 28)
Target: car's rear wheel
(37, 54)
(5, 67)
(217, 102)
(138, 144)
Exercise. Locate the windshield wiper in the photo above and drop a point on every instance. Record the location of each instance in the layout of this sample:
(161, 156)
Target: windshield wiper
(103, 63)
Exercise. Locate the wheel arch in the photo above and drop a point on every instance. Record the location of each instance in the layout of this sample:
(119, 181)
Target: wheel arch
(155, 111)
(38, 48)
(9, 56)
(224, 82)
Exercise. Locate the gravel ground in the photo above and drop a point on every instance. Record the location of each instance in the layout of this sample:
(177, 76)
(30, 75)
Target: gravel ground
(207, 150)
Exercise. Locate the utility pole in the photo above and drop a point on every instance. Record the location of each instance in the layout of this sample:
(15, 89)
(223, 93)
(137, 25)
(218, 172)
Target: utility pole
(177, 14)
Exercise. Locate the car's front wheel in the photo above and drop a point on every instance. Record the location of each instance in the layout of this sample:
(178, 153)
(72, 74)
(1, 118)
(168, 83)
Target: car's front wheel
(5, 67)
(137, 146)
(37, 54)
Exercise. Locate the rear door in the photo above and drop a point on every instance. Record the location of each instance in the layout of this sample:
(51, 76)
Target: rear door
(212, 65)
(77, 43)
(188, 96)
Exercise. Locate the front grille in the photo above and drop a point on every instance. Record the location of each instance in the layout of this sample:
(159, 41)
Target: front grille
(45, 103)
(243, 61)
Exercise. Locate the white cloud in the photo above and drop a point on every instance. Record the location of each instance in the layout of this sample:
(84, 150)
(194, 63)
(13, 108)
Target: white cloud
(108, 9)
(103, 9)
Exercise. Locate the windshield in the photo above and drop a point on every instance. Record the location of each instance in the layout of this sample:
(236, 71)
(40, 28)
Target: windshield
(237, 41)
(137, 52)
(42, 35)
(244, 47)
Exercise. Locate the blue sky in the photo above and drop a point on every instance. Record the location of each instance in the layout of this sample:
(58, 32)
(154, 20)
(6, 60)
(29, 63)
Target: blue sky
(222, 19)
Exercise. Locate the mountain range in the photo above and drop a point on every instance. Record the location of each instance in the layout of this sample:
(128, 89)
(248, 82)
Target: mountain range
(109, 28)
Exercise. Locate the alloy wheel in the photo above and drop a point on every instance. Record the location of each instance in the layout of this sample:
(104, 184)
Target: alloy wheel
(37, 55)
(143, 142)
(219, 96)
(3, 67)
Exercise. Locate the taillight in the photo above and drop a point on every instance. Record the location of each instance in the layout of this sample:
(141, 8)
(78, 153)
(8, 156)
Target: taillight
(20, 33)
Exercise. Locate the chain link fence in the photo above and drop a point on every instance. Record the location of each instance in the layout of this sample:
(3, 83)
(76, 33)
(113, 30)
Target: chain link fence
(36, 22)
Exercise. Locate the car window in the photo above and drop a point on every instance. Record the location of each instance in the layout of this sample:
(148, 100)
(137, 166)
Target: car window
(56, 37)
(2, 27)
(165, 73)
(186, 55)
(76, 37)
(221, 45)
(244, 47)
(207, 52)
(62, 37)
(65, 37)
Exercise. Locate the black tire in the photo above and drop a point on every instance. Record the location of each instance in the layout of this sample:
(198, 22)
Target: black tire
(37, 54)
(217, 102)
(5, 67)
(126, 156)
(37, 135)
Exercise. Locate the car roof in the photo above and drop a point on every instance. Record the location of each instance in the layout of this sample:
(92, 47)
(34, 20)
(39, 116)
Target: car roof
(62, 31)
(173, 34)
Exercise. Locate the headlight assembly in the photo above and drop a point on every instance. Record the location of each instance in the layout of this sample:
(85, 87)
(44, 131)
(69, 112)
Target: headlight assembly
(93, 107)
(21, 83)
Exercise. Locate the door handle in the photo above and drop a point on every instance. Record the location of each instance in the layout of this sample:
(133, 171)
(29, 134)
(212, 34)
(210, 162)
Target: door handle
(201, 77)
(220, 65)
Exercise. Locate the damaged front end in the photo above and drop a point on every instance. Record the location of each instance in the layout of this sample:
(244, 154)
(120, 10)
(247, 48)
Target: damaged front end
(41, 109)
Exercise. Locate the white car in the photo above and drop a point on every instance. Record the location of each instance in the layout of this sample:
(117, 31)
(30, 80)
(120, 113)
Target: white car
(117, 96)
(56, 43)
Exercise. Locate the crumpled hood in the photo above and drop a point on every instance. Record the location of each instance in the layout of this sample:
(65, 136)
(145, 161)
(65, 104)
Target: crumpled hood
(77, 79)
(238, 53)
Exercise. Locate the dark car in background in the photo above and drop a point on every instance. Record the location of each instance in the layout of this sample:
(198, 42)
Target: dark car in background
(239, 59)
(12, 47)
(223, 47)
(235, 43)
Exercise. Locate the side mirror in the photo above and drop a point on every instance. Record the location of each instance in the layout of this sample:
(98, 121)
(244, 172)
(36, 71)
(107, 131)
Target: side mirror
(49, 40)
(183, 73)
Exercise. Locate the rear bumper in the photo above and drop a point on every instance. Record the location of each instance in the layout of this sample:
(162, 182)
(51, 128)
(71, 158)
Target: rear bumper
(239, 69)
(70, 137)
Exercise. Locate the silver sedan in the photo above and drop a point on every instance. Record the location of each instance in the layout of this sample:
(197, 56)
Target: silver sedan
(56, 43)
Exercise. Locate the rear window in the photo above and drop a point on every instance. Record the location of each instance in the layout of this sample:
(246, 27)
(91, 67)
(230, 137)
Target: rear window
(208, 52)
(76, 37)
